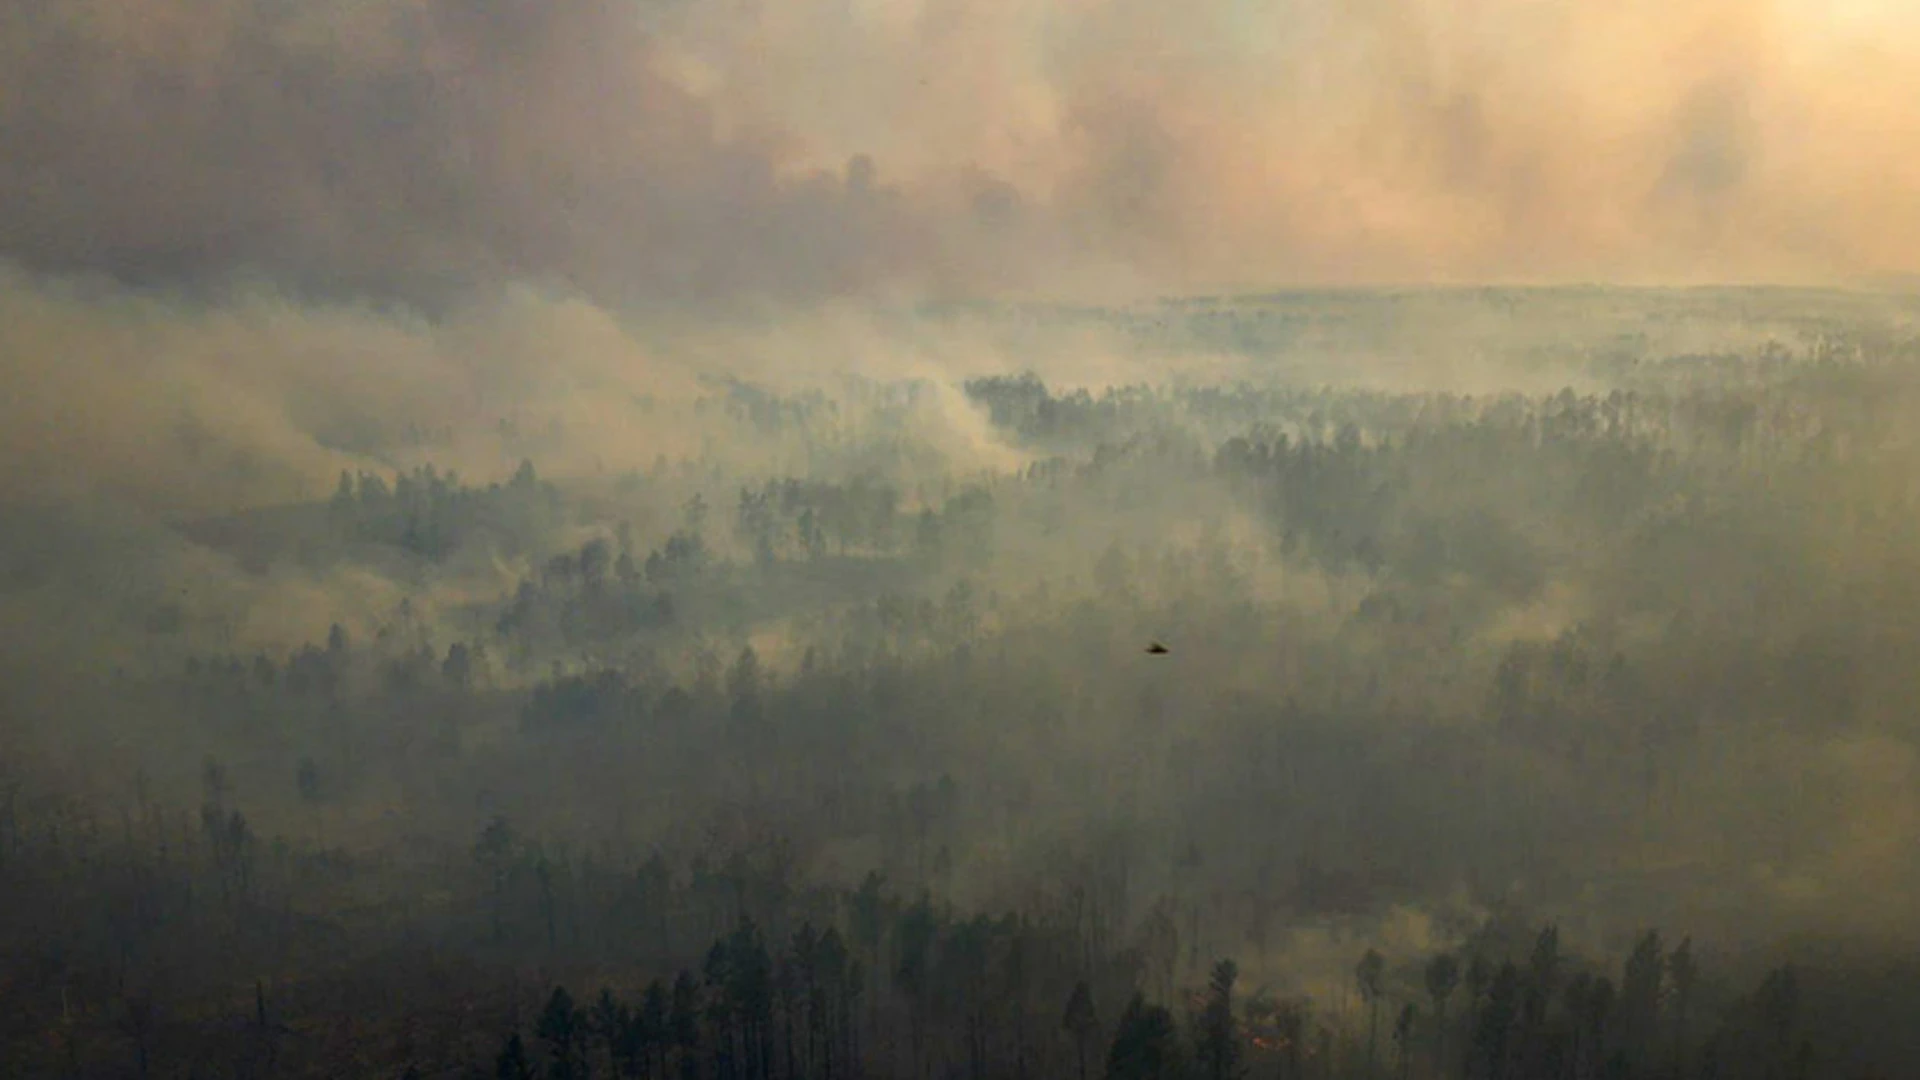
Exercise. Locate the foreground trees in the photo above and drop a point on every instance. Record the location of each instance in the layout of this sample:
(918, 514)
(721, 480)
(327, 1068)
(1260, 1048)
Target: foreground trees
(1529, 1022)
(812, 764)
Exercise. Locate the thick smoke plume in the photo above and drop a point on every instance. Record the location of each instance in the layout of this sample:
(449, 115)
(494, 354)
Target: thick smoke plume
(686, 153)
(550, 483)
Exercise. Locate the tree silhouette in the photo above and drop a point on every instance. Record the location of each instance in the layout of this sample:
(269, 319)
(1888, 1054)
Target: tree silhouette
(1640, 997)
(1079, 1022)
(1443, 975)
(1403, 1037)
(1479, 980)
(457, 668)
(914, 937)
(1495, 1025)
(560, 1029)
(1290, 1020)
(1369, 976)
(138, 1021)
(684, 1024)
(1778, 1001)
(1143, 1044)
(748, 987)
(1602, 1001)
(722, 1009)
(1541, 990)
(1684, 976)
(651, 1035)
(495, 851)
(841, 981)
(608, 1022)
(1219, 1034)
(512, 1063)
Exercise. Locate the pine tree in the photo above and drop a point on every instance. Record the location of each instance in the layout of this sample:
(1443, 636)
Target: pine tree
(1080, 1022)
(1219, 1034)
(512, 1064)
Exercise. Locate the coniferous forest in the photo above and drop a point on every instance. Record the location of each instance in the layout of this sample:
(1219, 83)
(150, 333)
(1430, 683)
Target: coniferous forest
(1553, 719)
(959, 540)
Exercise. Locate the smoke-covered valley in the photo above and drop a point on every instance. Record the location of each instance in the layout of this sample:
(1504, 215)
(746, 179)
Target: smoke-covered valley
(943, 539)
(1486, 610)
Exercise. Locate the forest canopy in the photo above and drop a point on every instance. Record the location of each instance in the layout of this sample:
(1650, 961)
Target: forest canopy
(1548, 714)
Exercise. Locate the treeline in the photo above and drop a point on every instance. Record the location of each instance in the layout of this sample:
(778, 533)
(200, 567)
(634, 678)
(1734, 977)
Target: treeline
(1422, 645)
(432, 514)
(194, 950)
(595, 594)
(401, 661)
(984, 997)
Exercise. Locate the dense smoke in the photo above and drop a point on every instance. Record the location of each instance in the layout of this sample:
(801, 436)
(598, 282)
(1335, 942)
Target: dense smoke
(675, 496)
(695, 153)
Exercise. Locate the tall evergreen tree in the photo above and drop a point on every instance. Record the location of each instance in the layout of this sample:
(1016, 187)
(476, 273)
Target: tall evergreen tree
(1144, 1045)
(1219, 1033)
(1443, 975)
(561, 1028)
(1080, 1023)
(512, 1063)
(1370, 977)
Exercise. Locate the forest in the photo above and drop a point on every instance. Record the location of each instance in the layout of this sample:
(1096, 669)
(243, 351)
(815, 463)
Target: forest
(1537, 702)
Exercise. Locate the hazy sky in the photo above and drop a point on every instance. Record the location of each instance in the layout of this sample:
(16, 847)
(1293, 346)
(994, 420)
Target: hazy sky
(681, 150)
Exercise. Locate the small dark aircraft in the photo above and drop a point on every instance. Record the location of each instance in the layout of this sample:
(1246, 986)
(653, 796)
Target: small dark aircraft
(1158, 649)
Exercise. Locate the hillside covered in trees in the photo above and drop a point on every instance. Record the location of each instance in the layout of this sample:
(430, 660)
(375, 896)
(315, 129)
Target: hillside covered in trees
(1550, 715)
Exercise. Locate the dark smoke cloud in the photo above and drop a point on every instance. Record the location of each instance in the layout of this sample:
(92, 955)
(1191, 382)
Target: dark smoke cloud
(682, 152)
(416, 147)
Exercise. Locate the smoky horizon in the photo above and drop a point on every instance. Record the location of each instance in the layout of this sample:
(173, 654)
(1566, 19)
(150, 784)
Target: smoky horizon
(959, 540)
